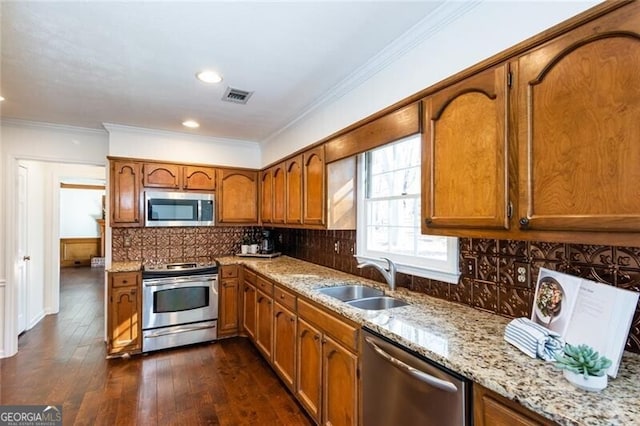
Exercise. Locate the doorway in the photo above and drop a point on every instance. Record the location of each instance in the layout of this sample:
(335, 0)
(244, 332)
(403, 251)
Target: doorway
(36, 235)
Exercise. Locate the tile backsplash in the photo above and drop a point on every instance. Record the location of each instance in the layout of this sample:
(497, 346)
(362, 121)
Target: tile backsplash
(165, 245)
(488, 266)
(489, 278)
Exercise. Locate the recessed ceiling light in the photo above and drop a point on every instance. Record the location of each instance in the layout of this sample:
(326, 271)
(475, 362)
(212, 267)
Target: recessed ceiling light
(208, 76)
(191, 124)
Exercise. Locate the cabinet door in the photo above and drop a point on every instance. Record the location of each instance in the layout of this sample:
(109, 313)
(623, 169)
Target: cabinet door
(124, 319)
(249, 309)
(313, 186)
(266, 196)
(284, 344)
(162, 176)
(294, 190)
(264, 323)
(198, 178)
(279, 193)
(340, 385)
(491, 409)
(228, 307)
(465, 154)
(578, 115)
(309, 369)
(237, 197)
(125, 193)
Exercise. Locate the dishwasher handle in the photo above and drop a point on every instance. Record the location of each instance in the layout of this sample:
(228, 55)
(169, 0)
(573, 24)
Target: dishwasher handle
(414, 372)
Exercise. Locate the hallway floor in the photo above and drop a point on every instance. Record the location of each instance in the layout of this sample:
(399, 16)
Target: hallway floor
(61, 361)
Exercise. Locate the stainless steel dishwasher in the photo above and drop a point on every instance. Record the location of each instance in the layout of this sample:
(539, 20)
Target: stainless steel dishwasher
(400, 387)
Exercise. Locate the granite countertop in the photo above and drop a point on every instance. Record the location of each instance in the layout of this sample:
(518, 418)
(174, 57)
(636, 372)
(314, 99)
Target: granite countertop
(125, 267)
(470, 342)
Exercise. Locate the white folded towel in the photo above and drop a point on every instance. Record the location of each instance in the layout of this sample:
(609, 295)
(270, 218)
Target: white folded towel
(533, 339)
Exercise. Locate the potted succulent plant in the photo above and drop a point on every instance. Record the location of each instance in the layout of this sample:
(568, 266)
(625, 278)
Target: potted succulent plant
(583, 367)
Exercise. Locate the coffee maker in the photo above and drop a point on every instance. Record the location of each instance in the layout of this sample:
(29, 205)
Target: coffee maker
(267, 242)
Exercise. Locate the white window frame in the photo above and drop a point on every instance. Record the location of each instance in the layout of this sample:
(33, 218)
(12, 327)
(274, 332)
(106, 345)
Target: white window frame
(447, 271)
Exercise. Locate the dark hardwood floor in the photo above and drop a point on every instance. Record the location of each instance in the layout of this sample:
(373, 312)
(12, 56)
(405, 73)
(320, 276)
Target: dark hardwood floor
(61, 361)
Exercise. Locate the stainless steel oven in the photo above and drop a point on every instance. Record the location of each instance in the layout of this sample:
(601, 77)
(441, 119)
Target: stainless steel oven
(179, 305)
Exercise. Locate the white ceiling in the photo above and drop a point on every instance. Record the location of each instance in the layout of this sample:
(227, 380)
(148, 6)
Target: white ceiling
(133, 63)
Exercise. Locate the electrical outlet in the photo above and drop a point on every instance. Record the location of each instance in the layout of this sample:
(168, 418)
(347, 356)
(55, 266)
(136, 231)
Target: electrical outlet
(470, 267)
(127, 242)
(521, 270)
(336, 247)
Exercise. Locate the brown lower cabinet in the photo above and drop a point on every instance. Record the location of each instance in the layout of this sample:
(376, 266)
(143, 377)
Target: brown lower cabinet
(284, 344)
(228, 301)
(491, 409)
(312, 350)
(264, 324)
(124, 313)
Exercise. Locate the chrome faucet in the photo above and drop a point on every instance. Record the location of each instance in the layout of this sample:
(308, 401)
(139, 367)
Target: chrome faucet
(388, 273)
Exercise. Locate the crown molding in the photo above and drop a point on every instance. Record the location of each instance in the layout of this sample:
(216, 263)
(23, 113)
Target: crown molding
(17, 122)
(426, 28)
(112, 127)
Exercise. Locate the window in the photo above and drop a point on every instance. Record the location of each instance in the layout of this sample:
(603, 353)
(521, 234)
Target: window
(389, 214)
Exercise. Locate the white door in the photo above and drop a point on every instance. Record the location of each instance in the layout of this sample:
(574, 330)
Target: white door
(23, 253)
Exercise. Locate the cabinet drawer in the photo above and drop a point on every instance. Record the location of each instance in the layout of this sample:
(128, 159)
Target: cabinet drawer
(330, 324)
(285, 298)
(265, 286)
(125, 279)
(250, 276)
(230, 271)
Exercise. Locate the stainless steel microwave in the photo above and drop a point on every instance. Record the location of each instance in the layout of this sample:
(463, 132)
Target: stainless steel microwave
(179, 209)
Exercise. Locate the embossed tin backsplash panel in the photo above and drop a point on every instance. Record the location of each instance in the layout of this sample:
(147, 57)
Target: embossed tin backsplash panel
(490, 283)
(167, 245)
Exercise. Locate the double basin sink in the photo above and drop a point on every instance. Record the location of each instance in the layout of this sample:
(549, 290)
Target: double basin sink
(363, 297)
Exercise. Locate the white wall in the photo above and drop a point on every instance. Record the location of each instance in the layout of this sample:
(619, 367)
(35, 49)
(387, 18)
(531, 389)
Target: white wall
(45, 143)
(79, 209)
(485, 30)
(125, 141)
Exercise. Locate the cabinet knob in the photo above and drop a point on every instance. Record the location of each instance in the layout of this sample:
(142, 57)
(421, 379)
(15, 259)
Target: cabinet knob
(125, 282)
(282, 296)
(292, 319)
(316, 337)
(133, 291)
(324, 340)
(524, 222)
(428, 221)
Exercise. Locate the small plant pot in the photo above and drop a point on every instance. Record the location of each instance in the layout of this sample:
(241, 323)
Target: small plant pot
(253, 249)
(591, 383)
(244, 248)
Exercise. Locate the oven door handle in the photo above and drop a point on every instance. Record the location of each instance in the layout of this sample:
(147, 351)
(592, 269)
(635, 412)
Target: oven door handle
(178, 330)
(176, 282)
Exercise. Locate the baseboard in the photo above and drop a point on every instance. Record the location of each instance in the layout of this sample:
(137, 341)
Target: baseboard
(38, 318)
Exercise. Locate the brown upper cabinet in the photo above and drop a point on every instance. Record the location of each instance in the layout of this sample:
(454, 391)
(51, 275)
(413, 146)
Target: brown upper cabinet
(273, 194)
(313, 172)
(465, 153)
(293, 190)
(266, 196)
(198, 178)
(176, 176)
(579, 135)
(544, 143)
(125, 179)
(237, 196)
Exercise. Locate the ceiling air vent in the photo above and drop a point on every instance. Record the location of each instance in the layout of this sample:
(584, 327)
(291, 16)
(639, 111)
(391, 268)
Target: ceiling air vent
(236, 96)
